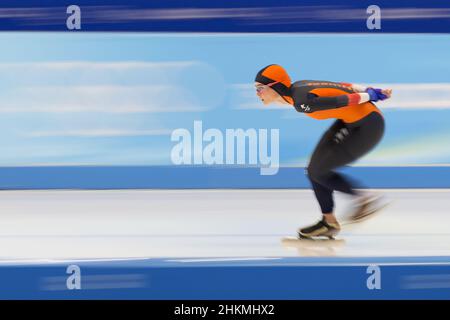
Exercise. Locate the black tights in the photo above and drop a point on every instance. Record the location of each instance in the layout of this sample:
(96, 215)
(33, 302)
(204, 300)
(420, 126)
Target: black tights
(340, 145)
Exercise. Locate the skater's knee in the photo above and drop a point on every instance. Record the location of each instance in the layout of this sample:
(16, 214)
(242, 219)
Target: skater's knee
(316, 173)
(310, 171)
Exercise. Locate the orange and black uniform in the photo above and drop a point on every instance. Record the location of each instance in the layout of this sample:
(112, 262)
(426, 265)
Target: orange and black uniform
(326, 99)
(356, 131)
(358, 128)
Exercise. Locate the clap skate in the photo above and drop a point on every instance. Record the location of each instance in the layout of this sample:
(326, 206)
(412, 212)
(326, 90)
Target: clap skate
(320, 230)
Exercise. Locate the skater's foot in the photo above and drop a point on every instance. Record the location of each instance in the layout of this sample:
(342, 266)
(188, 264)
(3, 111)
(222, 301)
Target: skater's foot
(320, 229)
(367, 205)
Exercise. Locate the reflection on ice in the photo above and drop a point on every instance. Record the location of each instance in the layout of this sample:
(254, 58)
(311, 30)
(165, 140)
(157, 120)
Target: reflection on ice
(314, 248)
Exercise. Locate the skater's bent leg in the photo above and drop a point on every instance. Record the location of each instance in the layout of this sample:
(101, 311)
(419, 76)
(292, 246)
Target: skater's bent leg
(334, 150)
(326, 157)
(332, 153)
(340, 152)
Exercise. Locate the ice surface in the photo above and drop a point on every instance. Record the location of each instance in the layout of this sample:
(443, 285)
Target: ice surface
(75, 224)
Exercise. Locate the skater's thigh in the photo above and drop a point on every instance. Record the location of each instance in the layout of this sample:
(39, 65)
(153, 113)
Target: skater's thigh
(342, 145)
(327, 139)
(329, 158)
(361, 140)
(344, 150)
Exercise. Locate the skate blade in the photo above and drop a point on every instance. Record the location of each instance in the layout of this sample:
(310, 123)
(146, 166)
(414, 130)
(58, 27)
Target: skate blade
(316, 238)
(316, 241)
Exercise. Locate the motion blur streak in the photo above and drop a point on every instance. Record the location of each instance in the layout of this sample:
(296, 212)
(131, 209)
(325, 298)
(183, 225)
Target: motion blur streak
(115, 14)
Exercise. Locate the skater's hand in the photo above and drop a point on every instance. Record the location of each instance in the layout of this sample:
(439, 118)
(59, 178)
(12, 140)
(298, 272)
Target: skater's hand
(379, 94)
(387, 93)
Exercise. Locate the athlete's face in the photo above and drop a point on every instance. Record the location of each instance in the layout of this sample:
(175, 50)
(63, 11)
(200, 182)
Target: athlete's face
(266, 93)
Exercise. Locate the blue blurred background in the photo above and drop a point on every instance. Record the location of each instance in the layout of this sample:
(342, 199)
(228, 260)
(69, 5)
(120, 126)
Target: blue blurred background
(114, 99)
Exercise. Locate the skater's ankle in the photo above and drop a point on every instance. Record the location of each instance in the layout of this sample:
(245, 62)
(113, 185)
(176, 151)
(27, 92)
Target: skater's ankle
(330, 218)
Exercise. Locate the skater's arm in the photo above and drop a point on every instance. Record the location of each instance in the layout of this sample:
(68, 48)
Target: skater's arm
(359, 88)
(316, 103)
